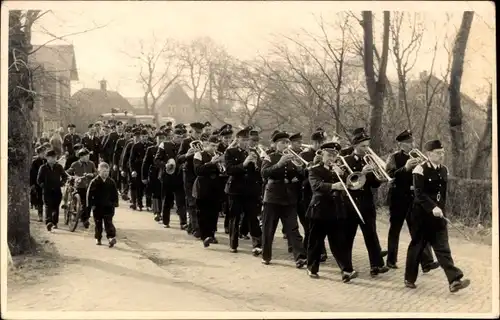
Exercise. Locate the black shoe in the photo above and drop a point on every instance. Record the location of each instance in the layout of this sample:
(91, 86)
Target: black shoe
(49, 226)
(374, 272)
(157, 217)
(140, 208)
(245, 237)
(55, 226)
(290, 249)
(233, 250)
(431, 266)
(383, 269)
(300, 263)
(197, 235)
(214, 240)
(86, 224)
(410, 285)
(313, 275)
(98, 242)
(323, 257)
(256, 251)
(166, 226)
(133, 207)
(459, 285)
(206, 242)
(348, 276)
(284, 236)
(112, 242)
(391, 265)
(148, 209)
(183, 226)
(265, 262)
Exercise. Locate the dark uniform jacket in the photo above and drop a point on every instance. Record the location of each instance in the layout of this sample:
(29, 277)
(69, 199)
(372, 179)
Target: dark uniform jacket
(149, 171)
(118, 151)
(280, 188)
(307, 155)
(108, 146)
(430, 191)
(326, 204)
(94, 146)
(168, 150)
(401, 187)
(137, 154)
(207, 173)
(242, 180)
(125, 157)
(69, 141)
(186, 161)
(51, 178)
(363, 196)
(102, 194)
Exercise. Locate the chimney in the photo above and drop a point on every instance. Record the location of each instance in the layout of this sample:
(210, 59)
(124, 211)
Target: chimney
(103, 84)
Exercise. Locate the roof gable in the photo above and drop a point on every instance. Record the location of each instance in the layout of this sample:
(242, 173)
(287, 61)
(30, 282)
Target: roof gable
(176, 96)
(100, 100)
(56, 57)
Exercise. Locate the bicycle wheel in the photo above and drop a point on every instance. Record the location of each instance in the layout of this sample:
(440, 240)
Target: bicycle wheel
(67, 210)
(77, 213)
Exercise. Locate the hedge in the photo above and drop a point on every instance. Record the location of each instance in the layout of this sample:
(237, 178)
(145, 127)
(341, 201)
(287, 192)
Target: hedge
(468, 201)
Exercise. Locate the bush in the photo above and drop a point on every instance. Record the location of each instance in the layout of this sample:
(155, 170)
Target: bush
(469, 201)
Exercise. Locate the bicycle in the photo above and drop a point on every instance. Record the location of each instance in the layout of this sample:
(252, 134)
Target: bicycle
(73, 209)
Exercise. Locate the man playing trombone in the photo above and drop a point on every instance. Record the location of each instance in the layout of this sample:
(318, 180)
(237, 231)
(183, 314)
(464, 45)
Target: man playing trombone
(279, 199)
(364, 198)
(401, 193)
(326, 213)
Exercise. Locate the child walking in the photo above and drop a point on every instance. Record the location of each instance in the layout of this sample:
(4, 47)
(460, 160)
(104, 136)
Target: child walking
(102, 197)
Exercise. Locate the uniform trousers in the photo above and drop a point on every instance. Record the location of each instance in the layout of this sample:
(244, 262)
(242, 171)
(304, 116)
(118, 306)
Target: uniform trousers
(136, 191)
(104, 216)
(190, 202)
(399, 211)
(288, 216)
(148, 193)
(369, 230)
(435, 233)
(208, 215)
(52, 201)
(246, 207)
(335, 232)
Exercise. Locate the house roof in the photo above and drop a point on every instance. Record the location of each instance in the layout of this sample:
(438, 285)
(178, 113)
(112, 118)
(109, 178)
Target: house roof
(100, 100)
(176, 95)
(56, 57)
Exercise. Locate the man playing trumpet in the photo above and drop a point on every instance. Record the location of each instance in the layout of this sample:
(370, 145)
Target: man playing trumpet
(326, 213)
(401, 193)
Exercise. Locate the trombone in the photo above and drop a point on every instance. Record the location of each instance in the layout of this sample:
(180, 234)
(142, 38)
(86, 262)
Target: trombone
(378, 165)
(417, 154)
(297, 159)
(355, 180)
(347, 190)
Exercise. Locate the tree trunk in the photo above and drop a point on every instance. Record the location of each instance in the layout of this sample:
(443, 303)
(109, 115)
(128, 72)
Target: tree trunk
(376, 85)
(483, 152)
(20, 133)
(457, 134)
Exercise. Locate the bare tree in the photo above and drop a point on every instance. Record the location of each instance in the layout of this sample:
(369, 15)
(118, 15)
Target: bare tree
(159, 69)
(455, 121)
(405, 55)
(483, 151)
(376, 85)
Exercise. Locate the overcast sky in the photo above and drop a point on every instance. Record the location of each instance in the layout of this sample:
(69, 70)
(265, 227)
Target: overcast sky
(244, 28)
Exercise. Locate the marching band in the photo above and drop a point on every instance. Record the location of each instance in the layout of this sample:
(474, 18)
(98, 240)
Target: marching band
(210, 173)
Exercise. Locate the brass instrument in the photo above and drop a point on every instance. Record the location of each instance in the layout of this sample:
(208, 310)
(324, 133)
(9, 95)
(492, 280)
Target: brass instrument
(306, 146)
(220, 165)
(378, 165)
(262, 151)
(349, 194)
(417, 154)
(170, 166)
(297, 160)
(197, 145)
(355, 180)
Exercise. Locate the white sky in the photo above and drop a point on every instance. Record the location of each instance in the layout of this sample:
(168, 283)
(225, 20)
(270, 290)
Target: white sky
(244, 28)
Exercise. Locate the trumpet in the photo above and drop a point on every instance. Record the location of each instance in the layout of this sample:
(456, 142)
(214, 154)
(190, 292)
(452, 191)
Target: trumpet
(297, 159)
(378, 165)
(346, 189)
(417, 154)
(197, 145)
(220, 165)
(262, 152)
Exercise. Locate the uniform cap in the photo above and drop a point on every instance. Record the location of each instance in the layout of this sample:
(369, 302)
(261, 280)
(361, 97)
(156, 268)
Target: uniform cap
(296, 136)
(279, 136)
(405, 135)
(433, 145)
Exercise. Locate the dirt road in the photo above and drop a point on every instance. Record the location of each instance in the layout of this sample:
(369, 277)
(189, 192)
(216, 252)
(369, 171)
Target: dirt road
(157, 269)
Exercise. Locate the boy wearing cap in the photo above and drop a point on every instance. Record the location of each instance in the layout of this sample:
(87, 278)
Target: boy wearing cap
(36, 190)
(70, 139)
(366, 205)
(102, 197)
(317, 139)
(137, 153)
(172, 187)
(428, 219)
(84, 170)
(150, 175)
(185, 159)
(206, 187)
(400, 196)
(279, 200)
(326, 213)
(51, 177)
(243, 190)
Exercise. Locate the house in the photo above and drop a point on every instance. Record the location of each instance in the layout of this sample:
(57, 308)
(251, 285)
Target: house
(54, 67)
(138, 104)
(89, 103)
(178, 105)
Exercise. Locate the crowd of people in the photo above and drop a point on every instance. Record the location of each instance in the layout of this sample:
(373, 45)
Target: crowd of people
(211, 173)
